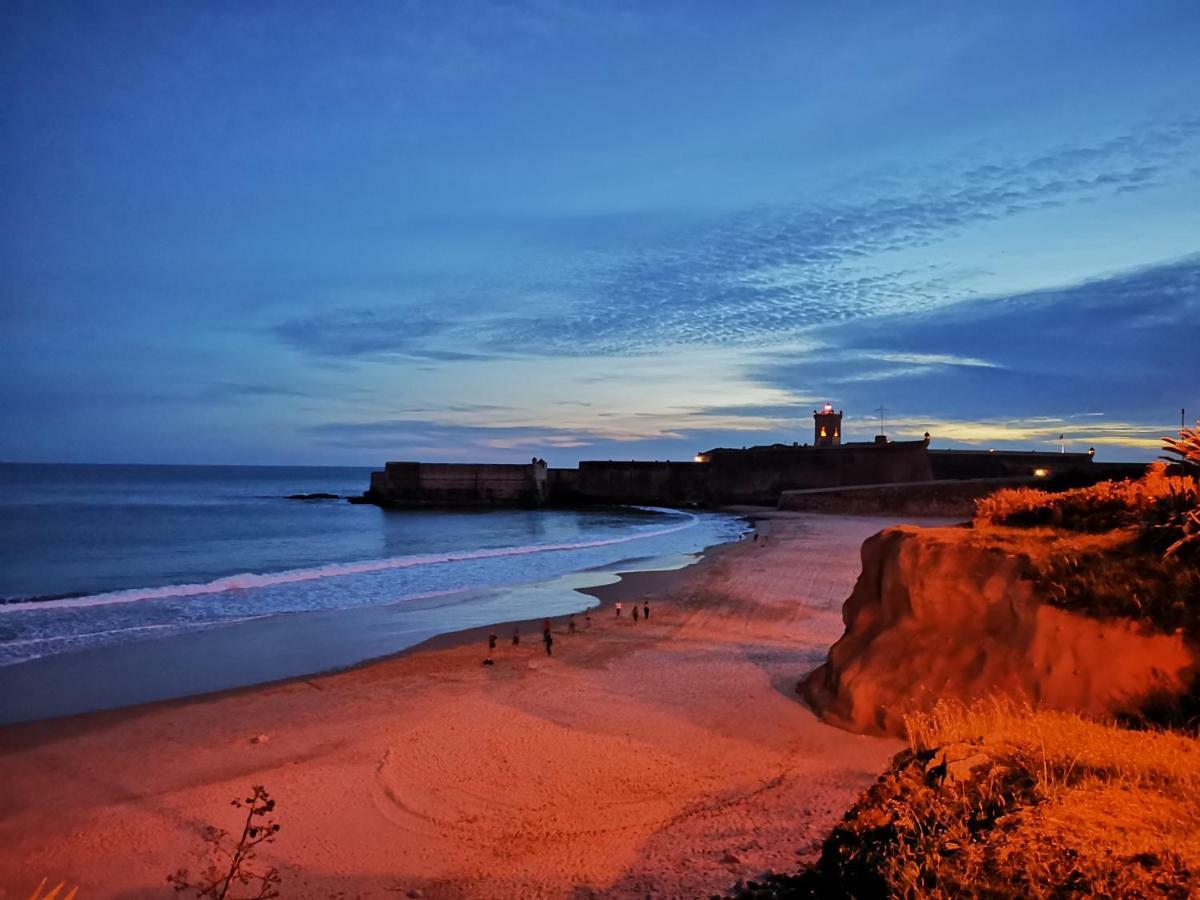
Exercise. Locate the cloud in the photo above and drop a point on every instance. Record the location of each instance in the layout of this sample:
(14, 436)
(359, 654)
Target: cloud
(406, 330)
(761, 275)
(756, 277)
(1121, 347)
(243, 389)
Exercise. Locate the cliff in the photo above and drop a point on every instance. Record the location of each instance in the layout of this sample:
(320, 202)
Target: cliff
(938, 613)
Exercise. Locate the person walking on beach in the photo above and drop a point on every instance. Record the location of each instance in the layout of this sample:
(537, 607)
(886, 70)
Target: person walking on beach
(549, 639)
(516, 637)
(646, 610)
(491, 643)
(571, 625)
(635, 613)
(618, 605)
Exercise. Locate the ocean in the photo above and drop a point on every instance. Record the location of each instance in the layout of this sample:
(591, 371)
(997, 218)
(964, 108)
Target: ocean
(120, 584)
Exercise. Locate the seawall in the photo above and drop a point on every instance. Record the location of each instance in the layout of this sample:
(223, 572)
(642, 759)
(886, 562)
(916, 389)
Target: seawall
(909, 479)
(457, 484)
(925, 498)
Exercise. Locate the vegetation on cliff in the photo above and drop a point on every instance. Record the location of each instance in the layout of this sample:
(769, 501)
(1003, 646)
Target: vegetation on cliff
(1127, 549)
(997, 800)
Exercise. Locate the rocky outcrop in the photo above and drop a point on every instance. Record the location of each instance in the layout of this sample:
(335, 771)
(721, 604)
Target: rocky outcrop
(934, 615)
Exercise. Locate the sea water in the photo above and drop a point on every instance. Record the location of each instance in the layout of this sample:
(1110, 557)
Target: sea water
(125, 562)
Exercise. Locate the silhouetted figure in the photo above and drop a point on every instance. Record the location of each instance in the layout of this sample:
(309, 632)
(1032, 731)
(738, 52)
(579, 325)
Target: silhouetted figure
(618, 606)
(587, 618)
(549, 639)
(635, 613)
(516, 637)
(755, 537)
(491, 643)
(571, 625)
(646, 610)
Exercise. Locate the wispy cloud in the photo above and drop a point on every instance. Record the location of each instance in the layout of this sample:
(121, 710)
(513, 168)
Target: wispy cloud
(1117, 350)
(759, 277)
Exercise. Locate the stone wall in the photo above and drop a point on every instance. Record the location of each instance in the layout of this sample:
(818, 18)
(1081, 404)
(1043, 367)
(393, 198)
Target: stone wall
(645, 483)
(960, 464)
(921, 498)
(455, 484)
(761, 475)
(756, 475)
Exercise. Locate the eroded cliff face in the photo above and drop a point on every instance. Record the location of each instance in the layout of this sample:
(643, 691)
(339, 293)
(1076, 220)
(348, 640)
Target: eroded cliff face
(934, 616)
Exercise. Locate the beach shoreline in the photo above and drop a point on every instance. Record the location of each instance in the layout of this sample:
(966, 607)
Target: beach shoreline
(669, 756)
(64, 684)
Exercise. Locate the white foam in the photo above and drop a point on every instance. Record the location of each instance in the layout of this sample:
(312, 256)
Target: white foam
(246, 580)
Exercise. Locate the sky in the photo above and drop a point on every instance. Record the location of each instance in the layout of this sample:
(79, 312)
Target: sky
(290, 233)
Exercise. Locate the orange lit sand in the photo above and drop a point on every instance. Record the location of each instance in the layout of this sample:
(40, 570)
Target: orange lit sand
(669, 757)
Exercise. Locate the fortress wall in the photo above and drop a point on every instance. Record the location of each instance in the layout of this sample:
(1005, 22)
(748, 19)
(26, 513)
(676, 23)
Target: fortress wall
(924, 498)
(451, 484)
(760, 476)
(1004, 463)
(650, 483)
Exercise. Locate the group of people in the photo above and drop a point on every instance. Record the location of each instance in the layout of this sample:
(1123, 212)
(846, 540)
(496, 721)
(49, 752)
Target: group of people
(645, 610)
(548, 636)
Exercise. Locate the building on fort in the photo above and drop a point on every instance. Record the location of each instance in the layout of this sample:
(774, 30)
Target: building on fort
(827, 427)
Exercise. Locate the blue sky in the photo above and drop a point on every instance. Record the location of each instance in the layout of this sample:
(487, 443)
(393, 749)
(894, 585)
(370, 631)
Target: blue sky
(293, 233)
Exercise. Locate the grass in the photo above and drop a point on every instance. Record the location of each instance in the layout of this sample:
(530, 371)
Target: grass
(999, 800)
(1128, 549)
(996, 799)
(1098, 507)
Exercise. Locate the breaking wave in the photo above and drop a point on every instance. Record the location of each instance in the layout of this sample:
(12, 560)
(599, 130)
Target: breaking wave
(247, 580)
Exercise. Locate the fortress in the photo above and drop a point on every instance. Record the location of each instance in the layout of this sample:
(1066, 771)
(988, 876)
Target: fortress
(828, 475)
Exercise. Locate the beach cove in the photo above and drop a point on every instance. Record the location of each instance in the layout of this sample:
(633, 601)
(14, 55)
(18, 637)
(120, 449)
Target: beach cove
(670, 757)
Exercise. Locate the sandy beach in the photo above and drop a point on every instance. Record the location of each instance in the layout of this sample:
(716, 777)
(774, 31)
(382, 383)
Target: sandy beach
(667, 757)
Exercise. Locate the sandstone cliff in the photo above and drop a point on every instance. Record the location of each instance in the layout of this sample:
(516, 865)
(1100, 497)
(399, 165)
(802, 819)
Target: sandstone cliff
(936, 614)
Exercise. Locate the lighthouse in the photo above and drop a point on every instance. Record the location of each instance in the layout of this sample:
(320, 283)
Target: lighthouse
(827, 426)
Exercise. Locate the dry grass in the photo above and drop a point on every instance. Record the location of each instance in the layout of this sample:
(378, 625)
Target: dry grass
(1128, 549)
(1098, 507)
(1064, 746)
(999, 800)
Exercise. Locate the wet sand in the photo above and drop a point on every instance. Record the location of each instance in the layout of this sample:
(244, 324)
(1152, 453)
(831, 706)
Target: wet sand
(670, 757)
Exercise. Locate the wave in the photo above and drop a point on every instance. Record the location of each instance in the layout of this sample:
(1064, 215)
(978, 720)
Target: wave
(247, 580)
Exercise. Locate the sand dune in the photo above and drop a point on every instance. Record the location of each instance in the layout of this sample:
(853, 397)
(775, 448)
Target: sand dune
(668, 757)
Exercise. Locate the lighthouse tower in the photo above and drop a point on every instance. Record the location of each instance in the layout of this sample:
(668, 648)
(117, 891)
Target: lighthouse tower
(827, 427)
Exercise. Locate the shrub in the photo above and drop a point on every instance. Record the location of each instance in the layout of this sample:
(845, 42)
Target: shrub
(230, 865)
(1099, 507)
(1187, 448)
(999, 800)
(1173, 524)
